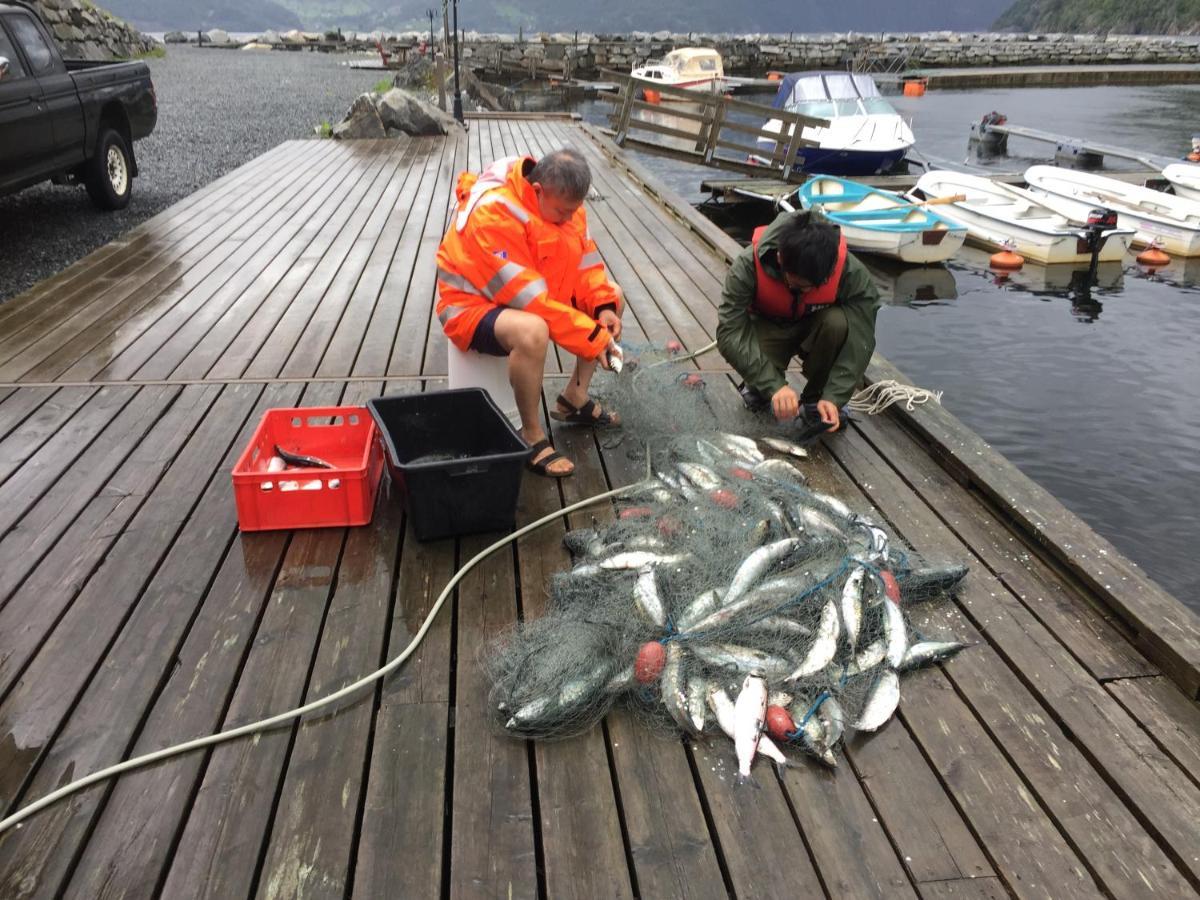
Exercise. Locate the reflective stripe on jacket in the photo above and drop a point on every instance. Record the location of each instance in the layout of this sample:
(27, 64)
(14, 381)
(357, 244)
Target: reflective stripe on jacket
(499, 251)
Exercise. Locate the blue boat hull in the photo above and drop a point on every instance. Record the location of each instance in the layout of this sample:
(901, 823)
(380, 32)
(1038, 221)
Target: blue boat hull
(824, 161)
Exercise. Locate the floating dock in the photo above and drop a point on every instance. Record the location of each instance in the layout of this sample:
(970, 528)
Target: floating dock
(1057, 757)
(1047, 76)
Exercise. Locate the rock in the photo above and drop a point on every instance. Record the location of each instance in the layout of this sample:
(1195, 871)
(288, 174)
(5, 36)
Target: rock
(216, 36)
(362, 121)
(401, 111)
(175, 37)
(269, 37)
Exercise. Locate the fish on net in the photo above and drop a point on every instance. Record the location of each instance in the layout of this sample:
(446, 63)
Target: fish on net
(727, 596)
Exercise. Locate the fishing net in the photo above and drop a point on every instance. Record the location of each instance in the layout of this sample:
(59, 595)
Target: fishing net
(722, 563)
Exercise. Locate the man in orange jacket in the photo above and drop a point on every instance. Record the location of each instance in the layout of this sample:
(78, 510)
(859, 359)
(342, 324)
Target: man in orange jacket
(518, 269)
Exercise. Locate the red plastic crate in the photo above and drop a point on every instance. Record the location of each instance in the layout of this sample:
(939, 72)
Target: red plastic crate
(344, 436)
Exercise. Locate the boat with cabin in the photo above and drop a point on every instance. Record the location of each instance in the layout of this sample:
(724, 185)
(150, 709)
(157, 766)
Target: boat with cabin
(692, 68)
(865, 135)
(999, 215)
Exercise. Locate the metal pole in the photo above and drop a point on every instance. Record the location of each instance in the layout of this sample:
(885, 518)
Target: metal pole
(458, 107)
(429, 12)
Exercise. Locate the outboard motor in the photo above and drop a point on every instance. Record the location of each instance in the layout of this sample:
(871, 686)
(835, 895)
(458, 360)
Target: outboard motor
(988, 143)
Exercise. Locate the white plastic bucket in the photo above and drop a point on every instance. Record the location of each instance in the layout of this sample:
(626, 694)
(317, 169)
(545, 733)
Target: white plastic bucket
(471, 369)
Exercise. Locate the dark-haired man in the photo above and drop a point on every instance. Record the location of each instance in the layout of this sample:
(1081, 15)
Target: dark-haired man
(518, 269)
(795, 291)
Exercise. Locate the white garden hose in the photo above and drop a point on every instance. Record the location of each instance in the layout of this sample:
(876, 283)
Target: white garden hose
(265, 724)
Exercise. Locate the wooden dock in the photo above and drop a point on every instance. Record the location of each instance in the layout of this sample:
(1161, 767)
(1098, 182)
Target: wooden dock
(1057, 757)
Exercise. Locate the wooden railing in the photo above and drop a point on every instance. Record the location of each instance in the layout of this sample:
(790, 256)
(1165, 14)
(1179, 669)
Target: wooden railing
(776, 158)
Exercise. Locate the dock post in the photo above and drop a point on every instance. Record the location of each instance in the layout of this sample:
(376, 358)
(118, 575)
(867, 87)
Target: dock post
(439, 72)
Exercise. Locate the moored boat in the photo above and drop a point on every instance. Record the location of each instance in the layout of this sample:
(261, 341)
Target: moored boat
(998, 215)
(1171, 221)
(882, 222)
(692, 68)
(1185, 180)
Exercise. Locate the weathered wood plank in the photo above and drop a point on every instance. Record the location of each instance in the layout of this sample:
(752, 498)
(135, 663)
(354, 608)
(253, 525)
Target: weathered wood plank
(1170, 718)
(41, 418)
(18, 404)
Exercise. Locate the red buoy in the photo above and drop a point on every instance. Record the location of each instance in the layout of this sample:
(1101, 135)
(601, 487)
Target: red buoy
(669, 526)
(739, 472)
(780, 723)
(693, 380)
(651, 659)
(890, 587)
(722, 497)
(674, 346)
(635, 512)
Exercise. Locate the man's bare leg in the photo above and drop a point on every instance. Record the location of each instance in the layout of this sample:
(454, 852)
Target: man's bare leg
(576, 391)
(526, 337)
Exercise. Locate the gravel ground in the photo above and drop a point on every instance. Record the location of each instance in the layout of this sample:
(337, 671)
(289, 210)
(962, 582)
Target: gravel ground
(217, 110)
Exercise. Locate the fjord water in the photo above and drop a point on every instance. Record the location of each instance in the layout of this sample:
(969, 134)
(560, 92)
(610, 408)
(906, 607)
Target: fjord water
(1094, 398)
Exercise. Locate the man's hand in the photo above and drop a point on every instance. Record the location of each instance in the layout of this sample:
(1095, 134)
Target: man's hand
(605, 357)
(612, 322)
(829, 414)
(785, 404)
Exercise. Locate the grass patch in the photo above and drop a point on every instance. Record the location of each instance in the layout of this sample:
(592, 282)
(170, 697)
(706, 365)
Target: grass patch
(324, 130)
(159, 52)
(382, 86)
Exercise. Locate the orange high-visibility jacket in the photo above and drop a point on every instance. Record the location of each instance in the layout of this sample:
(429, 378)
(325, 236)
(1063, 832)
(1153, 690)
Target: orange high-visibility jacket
(499, 251)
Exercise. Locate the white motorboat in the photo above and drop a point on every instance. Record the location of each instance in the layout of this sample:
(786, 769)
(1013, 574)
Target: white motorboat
(865, 134)
(1171, 221)
(1185, 180)
(997, 215)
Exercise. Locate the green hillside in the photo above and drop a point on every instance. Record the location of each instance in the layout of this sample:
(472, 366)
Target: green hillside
(1103, 16)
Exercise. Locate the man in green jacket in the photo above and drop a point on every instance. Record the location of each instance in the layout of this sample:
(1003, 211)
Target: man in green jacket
(795, 291)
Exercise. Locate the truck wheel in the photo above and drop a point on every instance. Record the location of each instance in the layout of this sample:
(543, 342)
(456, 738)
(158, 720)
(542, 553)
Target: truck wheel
(108, 176)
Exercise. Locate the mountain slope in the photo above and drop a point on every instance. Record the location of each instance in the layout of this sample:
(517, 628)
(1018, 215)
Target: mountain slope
(1098, 16)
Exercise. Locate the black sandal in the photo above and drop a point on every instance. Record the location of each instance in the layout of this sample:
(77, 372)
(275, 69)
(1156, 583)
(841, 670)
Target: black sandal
(542, 466)
(583, 415)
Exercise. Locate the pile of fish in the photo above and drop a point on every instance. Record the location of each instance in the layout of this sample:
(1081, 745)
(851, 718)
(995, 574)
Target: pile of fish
(727, 597)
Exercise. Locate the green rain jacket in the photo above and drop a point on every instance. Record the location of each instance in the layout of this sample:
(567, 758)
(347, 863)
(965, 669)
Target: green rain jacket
(736, 321)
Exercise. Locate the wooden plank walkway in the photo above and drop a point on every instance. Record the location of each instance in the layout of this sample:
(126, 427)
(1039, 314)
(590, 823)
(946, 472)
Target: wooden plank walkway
(1055, 758)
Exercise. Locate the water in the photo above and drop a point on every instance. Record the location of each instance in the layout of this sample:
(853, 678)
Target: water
(1093, 399)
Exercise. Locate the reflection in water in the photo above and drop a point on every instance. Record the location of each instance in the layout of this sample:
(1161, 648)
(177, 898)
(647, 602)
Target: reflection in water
(905, 285)
(1179, 272)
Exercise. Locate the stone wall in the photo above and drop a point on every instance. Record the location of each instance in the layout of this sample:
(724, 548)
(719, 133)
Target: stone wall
(892, 52)
(85, 31)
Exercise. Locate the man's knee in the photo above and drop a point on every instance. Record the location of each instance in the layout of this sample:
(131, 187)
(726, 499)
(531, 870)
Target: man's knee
(530, 333)
(832, 327)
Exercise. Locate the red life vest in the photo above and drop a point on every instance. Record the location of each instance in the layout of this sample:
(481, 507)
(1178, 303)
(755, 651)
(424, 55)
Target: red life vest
(774, 298)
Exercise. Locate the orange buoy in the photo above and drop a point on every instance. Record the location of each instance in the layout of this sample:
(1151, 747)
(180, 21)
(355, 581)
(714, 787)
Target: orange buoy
(774, 76)
(651, 659)
(780, 723)
(1006, 259)
(652, 96)
(1153, 256)
(915, 87)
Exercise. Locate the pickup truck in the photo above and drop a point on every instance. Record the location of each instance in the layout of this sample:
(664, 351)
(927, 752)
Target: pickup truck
(72, 122)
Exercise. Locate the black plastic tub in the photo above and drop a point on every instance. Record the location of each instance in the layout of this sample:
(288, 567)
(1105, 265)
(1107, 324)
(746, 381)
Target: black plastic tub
(456, 459)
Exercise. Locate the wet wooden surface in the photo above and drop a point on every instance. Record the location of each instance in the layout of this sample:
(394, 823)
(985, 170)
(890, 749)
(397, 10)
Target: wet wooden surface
(1054, 758)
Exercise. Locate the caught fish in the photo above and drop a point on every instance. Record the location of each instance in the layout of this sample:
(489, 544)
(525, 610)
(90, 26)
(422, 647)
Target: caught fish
(763, 599)
(816, 520)
(833, 720)
(674, 694)
(756, 565)
(703, 606)
(749, 717)
(583, 542)
(647, 599)
(868, 658)
(778, 626)
(723, 709)
(921, 582)
(301, 461)
(895, 633)
(780, 698)
(697, 692)
(923, 653)
(742, 449)
(623, 680)
(632, 559)
(812, 733)
(701, 476)
(745, 660)
(823, 649)
(780, 471)
(780, 445)
(881, 702)
(852, 594)
(575, 691)
(644, 542)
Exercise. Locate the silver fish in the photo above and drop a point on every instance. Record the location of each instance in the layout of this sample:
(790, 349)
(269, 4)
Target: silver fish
(778, 625)
(780, 698)
(923, 653)
(756, 565)
(834, 505)
(765, 597)
(632, 559)
(833, 719)
(920, 582)
(723, 709)
(779, 445)
(782, 521)
(749, 716)
(852, 594)
(868, 658)
(573, 691)
(582, 542)
(644, 542)
(823, 649)
(742, 449)
(701, 476)
(697, 692)
(780, 471)
(812, 733)
(674, 696)
(746, 660)
(647, 599)
(816, 520)
(698, 609)
(894, 632)
(881, 702)
(623, 680)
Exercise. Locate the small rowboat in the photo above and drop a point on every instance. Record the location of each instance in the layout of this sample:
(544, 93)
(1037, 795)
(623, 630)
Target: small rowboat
(875, 221)
(997, 215)
(1185, 180)
(1171, 221)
